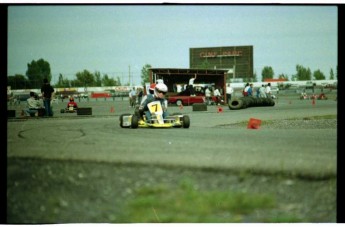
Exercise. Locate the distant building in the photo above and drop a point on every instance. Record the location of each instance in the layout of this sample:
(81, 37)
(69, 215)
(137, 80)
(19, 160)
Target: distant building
(237, 60)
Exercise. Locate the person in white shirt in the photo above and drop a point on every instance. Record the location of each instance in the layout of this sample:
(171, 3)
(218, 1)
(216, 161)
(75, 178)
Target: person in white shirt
(229, 91)
(208, 96)
(268, 90)
(245, 90)
(262, 93)
(217, 94)
(33, 104)
(132, 97)
(191, 85)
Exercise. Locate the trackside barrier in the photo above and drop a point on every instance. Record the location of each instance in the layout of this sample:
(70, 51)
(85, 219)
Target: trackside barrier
(84, 111)
(199, 107)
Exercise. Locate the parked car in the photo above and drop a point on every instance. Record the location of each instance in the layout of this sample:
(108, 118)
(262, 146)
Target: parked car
(184, 98)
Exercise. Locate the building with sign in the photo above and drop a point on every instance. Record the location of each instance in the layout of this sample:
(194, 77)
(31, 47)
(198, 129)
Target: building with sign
(212, 65)
(237, 60)
(172, 76)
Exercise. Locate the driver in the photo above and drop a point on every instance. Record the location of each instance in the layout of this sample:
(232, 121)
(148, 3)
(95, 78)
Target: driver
(158, 95)
(71, 103)
(150, 94)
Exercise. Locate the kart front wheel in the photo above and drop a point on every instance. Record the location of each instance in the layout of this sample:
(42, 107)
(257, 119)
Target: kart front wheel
(134, 121)
(121, 120)
(185, 121)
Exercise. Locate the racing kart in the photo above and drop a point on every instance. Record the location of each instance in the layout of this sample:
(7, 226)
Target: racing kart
(69, 109)
(175, 120)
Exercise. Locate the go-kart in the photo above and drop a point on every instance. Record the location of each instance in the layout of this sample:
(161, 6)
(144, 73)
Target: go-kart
(69, 109)
(175, 120)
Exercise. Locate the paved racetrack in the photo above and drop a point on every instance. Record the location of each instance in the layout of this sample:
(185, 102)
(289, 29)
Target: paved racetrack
(212, 141)
(44, 186)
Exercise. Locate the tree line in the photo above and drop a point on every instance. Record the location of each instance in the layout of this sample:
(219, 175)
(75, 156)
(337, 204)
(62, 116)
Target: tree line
(40, 69)
(302, 73)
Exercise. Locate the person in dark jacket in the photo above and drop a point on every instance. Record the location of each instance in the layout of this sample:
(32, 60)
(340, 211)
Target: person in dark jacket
(47, 91)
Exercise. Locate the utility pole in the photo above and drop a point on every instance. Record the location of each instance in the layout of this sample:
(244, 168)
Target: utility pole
(129, 76)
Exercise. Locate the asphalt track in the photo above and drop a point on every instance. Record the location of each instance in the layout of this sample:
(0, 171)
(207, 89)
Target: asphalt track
(211, 142)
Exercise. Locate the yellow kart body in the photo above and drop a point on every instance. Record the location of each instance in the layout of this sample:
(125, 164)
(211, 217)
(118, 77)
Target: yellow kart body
(176, 120)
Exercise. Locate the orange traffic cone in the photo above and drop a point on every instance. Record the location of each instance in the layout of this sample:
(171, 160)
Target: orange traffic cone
(313, 102)
(220, 109)
(181, 107)
(254, 123)
(112, 110)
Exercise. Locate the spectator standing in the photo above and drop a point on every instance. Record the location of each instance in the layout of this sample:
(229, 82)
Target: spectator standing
(140, 95)
(208, 95)
(47, 92)
(132, 97)
(262, 93)
(229, 91)
(268, 90)
(245, 90)
(257, 92)
(250, 90)
(191, 85)
(217, 95)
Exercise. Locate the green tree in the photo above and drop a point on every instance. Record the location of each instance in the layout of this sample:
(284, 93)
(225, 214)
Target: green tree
(37, 71)
(331, 74)
(98, 79)
(106, 81)
(267, 73)
(318, 75)
(283, 76)
(76, 83)
(336, 74)
(303, 73)
(118, 81)
(17, 82)
(145, 74)
(84, 79)
(294, 77)
(62, 83)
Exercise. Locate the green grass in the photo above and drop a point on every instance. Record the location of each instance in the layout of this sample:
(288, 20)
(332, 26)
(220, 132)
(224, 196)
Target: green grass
(187, 204)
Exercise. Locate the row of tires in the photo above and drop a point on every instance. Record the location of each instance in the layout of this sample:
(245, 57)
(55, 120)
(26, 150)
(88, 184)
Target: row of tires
(248, 101)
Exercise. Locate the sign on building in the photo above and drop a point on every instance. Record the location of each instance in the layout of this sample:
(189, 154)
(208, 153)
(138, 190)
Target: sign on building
(238, 60)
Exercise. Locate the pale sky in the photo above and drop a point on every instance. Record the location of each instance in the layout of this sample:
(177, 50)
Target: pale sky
(118, 39)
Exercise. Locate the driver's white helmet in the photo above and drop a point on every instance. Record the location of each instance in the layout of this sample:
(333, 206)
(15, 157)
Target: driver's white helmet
(160, 88)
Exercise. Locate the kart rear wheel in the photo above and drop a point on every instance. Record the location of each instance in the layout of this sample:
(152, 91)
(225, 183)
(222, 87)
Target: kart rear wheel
(185, 121)
(134, 122)
(121, 120)
(179, 102)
